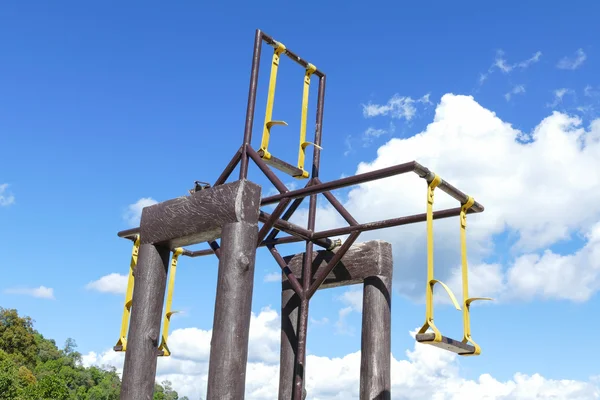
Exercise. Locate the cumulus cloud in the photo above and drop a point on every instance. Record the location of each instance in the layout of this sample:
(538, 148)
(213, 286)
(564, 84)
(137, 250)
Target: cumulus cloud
(41, 292)
(424, 372)
(574, 62)
(528, 182)
(134, 211)
(111, 283)
(6, 197)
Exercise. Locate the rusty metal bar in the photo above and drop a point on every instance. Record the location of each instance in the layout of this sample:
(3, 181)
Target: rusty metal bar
(286, 216)
(339, 207)
(266, 170)
(323, 272)
(288, 272)
(369, 226)
(286, 226)
(411, 166)
(388, 223)
(229, 168)
(264, 231)
(251, 103)
(271, 42)
(215, 248)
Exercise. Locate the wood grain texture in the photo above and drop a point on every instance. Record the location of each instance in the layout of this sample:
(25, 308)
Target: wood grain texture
(189, 220)
(369, 263)
(447, 343)
(290, 306)
(231, 326)
(139, 370)
(362, 260)
(375, 361)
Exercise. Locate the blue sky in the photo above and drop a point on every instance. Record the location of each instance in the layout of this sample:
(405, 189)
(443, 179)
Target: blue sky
(104, 104)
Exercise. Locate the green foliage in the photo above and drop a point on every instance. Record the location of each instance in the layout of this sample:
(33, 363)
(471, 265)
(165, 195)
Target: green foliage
(34, 368)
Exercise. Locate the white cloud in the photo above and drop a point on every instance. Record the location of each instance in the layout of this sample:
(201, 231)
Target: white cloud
(397, 107)
(518, 89)
(134, 211)
(272, 277)
(513, 173)
(503, 65)
(424, 372)
(111, 283)
(572, 62)
(6, 197)
(372, 134)
(41, 292)
(559, 94)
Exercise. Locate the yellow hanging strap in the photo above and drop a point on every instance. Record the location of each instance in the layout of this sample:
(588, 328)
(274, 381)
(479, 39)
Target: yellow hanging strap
(280, 48)
(465, 279)
(430, 280)
(310, 69)
(163, 348)
(122, 343)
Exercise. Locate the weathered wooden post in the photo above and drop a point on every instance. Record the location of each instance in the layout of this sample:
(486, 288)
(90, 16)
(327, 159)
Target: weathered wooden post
(229, 211)
(231, 326)
(369, 263)
(139, 370)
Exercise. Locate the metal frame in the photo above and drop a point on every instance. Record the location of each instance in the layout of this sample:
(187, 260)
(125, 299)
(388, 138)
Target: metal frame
(289, 200)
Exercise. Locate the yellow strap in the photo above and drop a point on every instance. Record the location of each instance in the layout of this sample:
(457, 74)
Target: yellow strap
(310, 69)
(430, 279)
(465, 279)
(122, 342)
(280, 48)
(165, 331)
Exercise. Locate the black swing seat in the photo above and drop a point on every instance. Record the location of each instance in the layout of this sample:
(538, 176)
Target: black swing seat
(452, 345)
(282, 165)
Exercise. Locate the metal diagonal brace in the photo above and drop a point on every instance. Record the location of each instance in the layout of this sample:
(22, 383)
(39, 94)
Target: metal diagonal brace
(163, 349)
(430, 279)
(465, 280)
(122, 342)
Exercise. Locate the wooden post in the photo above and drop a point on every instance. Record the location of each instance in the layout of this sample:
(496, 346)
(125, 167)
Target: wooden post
(375, 359)
(139, 370)
(290, 304)
(233, 305)
(369, 263)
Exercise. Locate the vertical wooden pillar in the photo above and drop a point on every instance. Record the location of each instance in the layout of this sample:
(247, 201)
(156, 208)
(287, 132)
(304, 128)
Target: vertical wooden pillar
(375, 362)
(231, 327)
(290, 305)
(139, 370)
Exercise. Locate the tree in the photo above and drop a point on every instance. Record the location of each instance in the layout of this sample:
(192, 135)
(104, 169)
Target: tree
(17, 337)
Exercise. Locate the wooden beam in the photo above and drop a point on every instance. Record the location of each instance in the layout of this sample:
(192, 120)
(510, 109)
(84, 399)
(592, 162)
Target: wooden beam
(362, 260)
(197, 218)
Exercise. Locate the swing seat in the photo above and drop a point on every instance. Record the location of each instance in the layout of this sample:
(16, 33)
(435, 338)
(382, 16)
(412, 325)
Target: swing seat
(446, 343)
(283, 166)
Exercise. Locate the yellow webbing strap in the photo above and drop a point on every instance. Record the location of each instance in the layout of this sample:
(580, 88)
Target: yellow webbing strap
(270, 99)
(430, 280)
(122, 343)
(165, 330)
(310, 69)
(465, 279)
